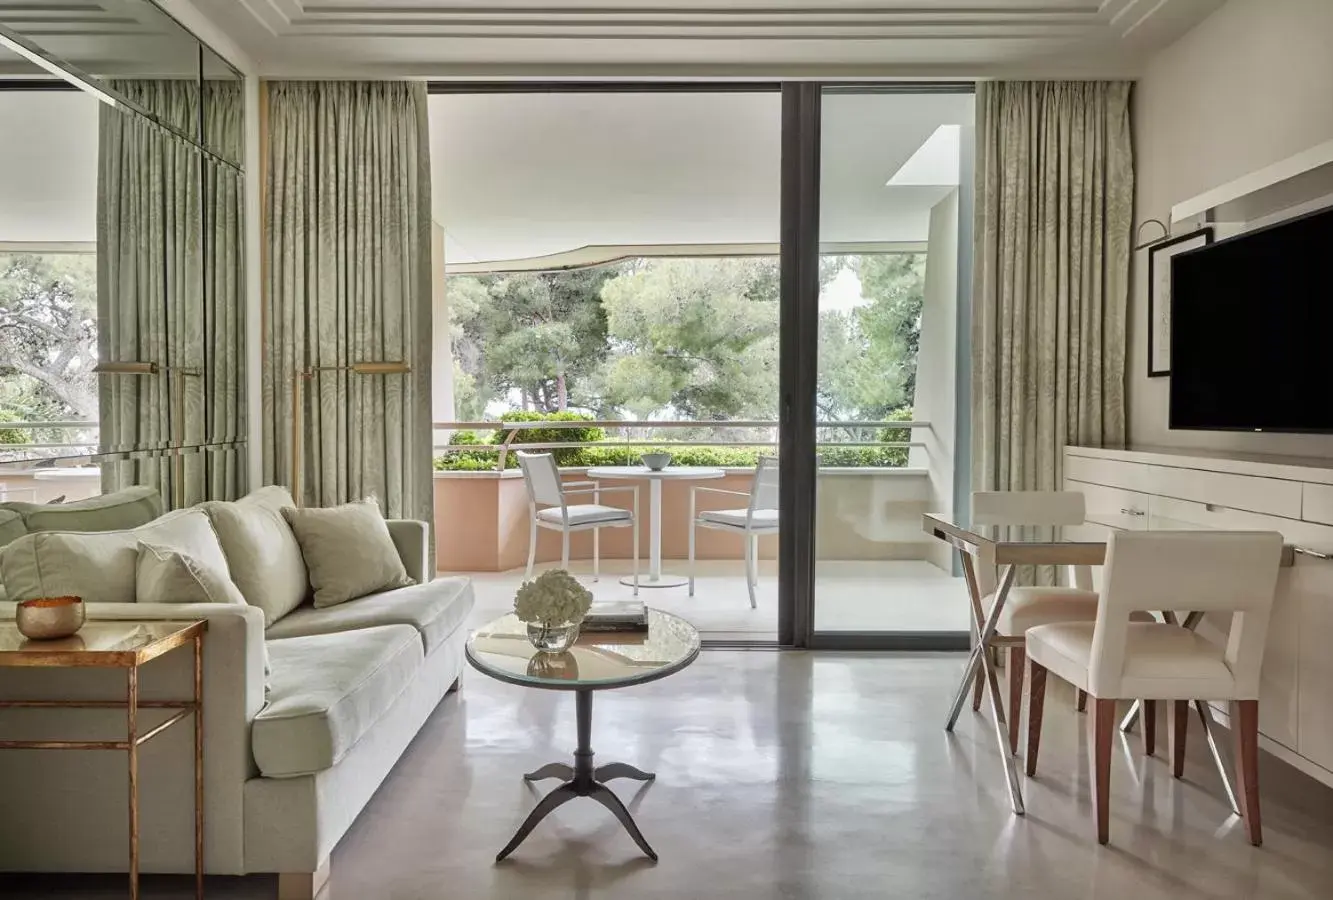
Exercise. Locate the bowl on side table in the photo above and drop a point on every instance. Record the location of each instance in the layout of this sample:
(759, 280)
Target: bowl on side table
(49, 618)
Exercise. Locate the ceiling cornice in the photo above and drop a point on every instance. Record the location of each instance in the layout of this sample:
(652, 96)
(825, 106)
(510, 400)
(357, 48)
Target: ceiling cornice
(438, 38)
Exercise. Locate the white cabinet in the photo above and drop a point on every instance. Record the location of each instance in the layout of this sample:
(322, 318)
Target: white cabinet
(1180, 490)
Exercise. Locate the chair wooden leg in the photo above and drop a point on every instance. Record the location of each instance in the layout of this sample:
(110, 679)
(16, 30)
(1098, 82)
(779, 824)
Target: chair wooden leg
(1036, 706)
(1245, 730)
(1101, 729)
(1082, 700)
(1149, 717)
(1017, 665)
(1180, 723)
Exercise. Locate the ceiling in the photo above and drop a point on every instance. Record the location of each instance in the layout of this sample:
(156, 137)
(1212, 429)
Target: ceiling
(539, 176)
(714, 38)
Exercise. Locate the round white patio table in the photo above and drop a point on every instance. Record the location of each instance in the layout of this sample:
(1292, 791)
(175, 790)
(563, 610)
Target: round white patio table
(655, 577)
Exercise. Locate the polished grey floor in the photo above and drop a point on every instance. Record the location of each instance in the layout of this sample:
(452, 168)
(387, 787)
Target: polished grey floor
(793, 775)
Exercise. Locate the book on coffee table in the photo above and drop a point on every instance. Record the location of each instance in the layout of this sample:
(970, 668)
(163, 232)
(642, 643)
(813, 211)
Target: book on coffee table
(616, 615)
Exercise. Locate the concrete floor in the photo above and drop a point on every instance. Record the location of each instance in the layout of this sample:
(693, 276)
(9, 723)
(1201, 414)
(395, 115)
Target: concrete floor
(891, 595)
(794, 775)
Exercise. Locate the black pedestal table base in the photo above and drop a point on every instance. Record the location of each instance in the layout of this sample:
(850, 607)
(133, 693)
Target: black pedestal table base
(582, 780)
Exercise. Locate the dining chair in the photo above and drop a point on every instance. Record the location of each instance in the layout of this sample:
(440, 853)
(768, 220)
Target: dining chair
(1114, 658)
(759, 517)
(549, 508)
(1027, 607)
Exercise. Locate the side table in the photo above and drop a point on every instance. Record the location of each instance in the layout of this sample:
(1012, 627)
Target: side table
(128, 646)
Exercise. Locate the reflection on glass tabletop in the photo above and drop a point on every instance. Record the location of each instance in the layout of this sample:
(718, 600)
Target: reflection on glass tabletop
(596, 661)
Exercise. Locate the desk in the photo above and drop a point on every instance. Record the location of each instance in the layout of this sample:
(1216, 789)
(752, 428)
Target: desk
(1005, 547)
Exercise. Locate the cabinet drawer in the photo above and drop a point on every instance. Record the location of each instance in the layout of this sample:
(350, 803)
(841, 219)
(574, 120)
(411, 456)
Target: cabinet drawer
(1116, 507)
(1249, 492)
(1167, 514)
(1317, 503)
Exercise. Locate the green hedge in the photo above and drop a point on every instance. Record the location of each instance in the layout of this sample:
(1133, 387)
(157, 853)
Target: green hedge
(615, 452)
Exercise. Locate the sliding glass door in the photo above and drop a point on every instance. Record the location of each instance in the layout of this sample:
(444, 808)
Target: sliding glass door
(876, 211)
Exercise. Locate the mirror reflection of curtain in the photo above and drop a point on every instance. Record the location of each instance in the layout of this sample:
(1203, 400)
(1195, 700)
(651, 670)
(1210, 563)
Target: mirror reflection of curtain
(224, 287)
(348, 237)
(169, 291)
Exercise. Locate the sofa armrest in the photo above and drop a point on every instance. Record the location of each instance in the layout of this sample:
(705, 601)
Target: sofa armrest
(233, 658)
(410, 537)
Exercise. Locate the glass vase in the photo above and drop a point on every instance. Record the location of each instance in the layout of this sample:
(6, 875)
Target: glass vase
(553, 638)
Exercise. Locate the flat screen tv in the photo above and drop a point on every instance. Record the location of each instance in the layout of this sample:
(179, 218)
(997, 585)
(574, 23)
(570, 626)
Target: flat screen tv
(1252, 330)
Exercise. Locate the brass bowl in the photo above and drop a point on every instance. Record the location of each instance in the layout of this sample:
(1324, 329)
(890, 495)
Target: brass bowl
(49, 618)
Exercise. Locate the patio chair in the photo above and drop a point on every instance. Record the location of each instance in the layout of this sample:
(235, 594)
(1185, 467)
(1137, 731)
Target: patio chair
(545, 489)
(760, 516)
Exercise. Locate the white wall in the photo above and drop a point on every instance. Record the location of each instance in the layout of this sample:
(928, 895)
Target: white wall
(48, 167)
(1251, 85)
(936, 368)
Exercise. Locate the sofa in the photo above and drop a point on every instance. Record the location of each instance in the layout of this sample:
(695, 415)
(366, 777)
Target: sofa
(304, 715)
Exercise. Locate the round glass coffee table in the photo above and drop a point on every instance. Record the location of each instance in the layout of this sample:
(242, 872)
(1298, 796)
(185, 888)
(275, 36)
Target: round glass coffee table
(596, 662)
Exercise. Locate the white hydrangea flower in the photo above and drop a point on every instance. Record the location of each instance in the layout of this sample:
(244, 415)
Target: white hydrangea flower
(555, 597)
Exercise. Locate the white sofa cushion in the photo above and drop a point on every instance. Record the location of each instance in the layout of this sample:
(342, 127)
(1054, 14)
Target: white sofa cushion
(265, 558)
(101, 566)
(326, 692)
(348, 551)
(164, 575)
(435, 609)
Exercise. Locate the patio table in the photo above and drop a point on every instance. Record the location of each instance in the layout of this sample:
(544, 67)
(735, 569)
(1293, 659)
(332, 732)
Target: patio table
(655, 478)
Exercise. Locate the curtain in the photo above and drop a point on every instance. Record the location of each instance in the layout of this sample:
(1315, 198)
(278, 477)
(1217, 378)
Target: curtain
(348, 281)
(1054, 196)
(170, 291)
(148, 283)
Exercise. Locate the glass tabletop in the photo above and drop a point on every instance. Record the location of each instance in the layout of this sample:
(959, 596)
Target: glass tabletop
(92, 640)
(963, 526)
(597, 661)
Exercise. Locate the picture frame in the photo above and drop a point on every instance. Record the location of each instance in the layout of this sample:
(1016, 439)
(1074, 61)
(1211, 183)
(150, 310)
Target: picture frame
(1159, 295)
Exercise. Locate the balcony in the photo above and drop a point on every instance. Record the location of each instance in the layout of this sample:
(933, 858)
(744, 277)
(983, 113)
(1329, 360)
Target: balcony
(875, 570)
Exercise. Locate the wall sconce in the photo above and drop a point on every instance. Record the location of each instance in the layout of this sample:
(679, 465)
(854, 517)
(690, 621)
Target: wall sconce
(381, 367)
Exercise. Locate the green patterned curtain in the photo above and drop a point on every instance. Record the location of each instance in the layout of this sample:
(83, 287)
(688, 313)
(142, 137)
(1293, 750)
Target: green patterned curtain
(348, 281)
(170, 291)
(1054, 199)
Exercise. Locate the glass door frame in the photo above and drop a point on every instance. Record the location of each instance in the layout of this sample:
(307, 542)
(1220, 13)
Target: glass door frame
(798, 367)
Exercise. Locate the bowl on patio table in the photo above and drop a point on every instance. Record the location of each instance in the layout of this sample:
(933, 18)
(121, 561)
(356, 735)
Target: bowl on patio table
(656, 461)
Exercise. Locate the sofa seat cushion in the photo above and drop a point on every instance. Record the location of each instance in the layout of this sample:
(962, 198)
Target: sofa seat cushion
(326, 692)
(435, 609)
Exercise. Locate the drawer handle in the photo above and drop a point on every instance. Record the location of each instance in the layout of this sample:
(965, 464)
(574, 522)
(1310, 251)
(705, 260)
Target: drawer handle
(1132, 512)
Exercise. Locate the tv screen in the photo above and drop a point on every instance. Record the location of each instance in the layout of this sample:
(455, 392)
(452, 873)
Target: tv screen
(1252, 330)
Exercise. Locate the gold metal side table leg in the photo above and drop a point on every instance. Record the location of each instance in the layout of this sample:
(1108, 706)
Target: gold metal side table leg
(199, 767)
(132, 751)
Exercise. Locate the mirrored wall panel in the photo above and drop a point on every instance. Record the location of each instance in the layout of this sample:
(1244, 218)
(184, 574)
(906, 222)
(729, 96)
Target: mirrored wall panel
(121, 254)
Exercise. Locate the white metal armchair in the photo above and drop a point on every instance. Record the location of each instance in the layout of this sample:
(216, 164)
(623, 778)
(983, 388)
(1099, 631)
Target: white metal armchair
(545, 489)
(760, 516)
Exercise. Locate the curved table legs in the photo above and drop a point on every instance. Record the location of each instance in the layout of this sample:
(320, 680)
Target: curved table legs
(582, 780)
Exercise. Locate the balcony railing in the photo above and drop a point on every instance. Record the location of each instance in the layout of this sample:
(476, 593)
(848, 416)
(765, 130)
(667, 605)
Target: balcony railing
(855, 430)
(17, 451)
